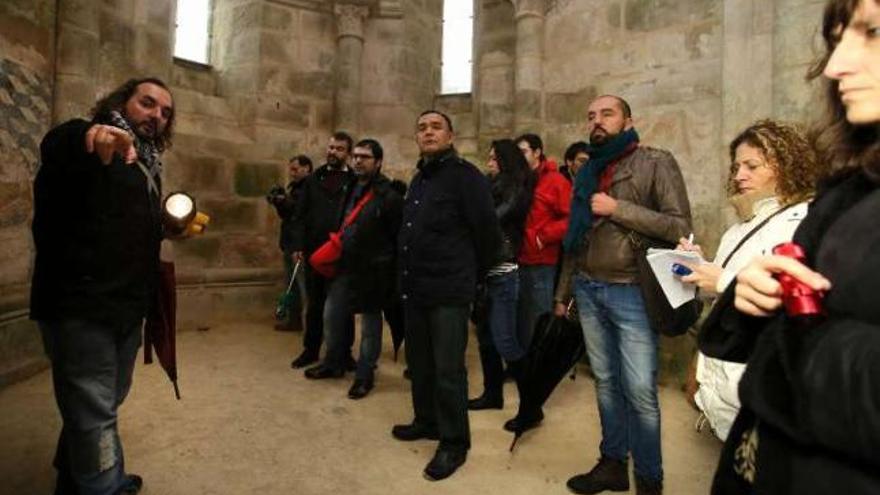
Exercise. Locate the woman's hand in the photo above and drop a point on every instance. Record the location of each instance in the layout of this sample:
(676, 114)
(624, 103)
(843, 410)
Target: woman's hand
(758, 293)
(686, 245)
(703, 275)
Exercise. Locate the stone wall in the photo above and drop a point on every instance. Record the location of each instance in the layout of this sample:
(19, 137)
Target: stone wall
(27, 38)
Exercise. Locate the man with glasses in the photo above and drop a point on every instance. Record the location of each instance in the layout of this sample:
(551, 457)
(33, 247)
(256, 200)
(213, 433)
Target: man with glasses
(364, 284)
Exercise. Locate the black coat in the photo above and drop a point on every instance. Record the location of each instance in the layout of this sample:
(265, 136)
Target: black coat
(319, 208)
(286, 209)
(450, 235)
(512, 202)
(97, 231)
(813, 391)
(369, 247)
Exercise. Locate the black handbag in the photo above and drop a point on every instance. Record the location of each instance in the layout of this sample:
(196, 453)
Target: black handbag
(662, 317)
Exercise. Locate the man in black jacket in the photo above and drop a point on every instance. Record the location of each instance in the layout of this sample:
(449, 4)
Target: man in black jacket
(448, 240)
(97, 229)
(284, 200)
(365, 281)
(317, 214)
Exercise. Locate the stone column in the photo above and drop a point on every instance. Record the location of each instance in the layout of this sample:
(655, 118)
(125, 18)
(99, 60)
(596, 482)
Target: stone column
(528, 79)
(76, 66)
(350, 47)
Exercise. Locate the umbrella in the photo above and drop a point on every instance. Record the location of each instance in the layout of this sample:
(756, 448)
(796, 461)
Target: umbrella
(394, 317)
(161, 325)
(557, 345)
(282, 309)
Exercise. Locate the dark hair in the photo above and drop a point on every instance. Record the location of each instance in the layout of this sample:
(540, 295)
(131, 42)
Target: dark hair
(574, 148)
(118, 98)
(788, 151)
(534, 142)
(303, 161)
(374, 146)
(841, 144)
(438, 112)
(513, 169)
(344, 136)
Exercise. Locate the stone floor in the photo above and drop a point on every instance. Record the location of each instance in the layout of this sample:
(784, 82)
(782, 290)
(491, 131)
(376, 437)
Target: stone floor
(248, 424)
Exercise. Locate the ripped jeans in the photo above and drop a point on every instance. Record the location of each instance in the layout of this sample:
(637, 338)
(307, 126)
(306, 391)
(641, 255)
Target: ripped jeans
(92, 365)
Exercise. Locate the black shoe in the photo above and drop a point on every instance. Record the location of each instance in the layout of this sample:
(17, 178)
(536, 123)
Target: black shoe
(306, 358)
(132, 485)
(648, 487)
(524, 422)
(322, 371)
(486, 401)
(360, 388)
(414, 431)
(350, 363)
(444, 463)
(608, 474)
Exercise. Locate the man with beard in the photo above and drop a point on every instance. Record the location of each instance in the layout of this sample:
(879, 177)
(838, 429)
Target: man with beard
(97, 229)
(365, 280)
(318, 210)
(624, 191)
(449, 238)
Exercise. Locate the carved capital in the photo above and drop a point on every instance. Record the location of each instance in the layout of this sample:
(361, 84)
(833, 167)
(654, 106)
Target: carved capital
(350, 20)
(529, 8)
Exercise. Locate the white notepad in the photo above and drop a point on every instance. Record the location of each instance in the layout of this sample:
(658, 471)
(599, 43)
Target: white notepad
(661, 261)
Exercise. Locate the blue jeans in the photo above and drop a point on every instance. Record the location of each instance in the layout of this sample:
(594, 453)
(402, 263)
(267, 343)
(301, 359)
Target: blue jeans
(535, 298)
(92, 365)
(337, 315)
(503, 297)
(623, 355)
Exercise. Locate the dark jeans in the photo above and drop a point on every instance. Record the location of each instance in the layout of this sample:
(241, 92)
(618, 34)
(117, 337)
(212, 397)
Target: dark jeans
(92, 365)
(337, 313)
(535, 298)
(436, 339)
(316, 287)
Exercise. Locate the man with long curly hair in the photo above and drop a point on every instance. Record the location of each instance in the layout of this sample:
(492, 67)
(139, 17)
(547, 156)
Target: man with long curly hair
(97, 229)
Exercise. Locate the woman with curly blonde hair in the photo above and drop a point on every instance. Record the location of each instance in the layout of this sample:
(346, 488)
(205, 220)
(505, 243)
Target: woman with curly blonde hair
(773, 171)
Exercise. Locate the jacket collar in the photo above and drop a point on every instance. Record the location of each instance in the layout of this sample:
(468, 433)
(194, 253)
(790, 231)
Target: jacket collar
(429, 165)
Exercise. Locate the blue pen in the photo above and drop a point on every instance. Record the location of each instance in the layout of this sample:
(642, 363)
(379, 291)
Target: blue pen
(681, 270)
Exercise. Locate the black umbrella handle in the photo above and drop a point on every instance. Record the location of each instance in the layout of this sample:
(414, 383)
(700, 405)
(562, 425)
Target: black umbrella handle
(176, 389)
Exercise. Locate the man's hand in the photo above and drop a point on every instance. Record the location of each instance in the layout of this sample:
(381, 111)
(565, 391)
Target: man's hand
(758, 293)
(539, 243)
(107, 140)
(603, 205)
(296, 256)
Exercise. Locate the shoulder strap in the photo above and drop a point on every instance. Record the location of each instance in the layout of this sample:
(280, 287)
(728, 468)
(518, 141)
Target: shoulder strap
(753, 232)
(352, 215)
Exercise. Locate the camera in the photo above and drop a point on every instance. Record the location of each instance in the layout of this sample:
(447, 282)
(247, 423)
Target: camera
(276, 195)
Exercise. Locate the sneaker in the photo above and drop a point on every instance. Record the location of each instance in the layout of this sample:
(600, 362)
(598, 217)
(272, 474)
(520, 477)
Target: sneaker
(609, 474)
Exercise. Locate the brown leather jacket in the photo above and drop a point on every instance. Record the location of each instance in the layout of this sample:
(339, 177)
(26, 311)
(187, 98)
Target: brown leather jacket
(651, 200)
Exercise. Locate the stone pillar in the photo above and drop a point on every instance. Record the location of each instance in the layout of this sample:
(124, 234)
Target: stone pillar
(528, 79)
(350, 47)
(77, 47)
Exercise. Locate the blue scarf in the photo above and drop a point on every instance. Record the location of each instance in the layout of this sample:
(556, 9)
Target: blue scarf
(586, 183)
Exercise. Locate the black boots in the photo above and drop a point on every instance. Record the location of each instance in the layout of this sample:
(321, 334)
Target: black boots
(529, 415)
(608, 474)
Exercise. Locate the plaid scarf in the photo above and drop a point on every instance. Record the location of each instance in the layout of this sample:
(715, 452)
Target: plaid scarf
(147, 152)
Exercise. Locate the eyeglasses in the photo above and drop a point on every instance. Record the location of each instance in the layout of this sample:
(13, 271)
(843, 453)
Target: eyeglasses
(358, 156)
